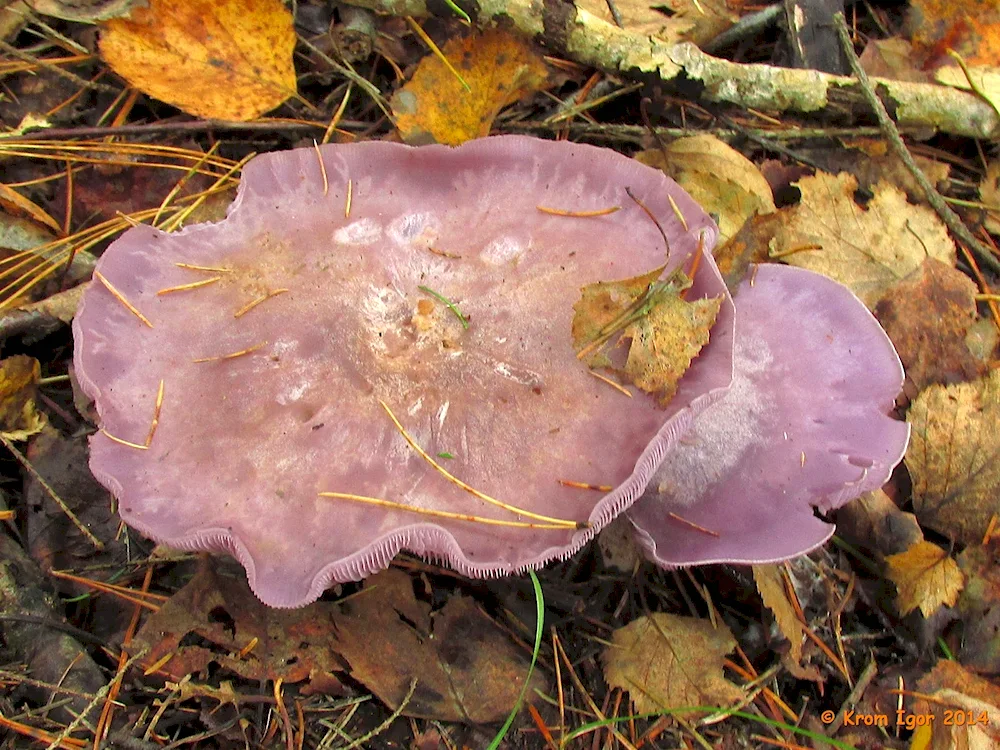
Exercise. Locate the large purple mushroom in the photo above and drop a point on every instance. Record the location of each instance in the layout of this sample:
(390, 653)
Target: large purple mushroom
(373, 352)
(254, 378)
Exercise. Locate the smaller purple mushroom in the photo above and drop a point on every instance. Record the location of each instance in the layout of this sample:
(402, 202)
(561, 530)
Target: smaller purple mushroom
(803, 426)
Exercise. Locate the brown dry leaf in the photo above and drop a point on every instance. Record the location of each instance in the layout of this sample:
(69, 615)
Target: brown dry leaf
(723, 181)
(19, 417)
(979, 609)
(771, 585)
(872, 160)
(970, 27)
(668, 661)
(867, 249)
(873, 521)
(434, 106)
(221, 59)
(954, 457)
(749, 245)
(617, 544)
(669, 20)
(927, 315)
(925, 577)
(955, 693)
(84, 11)
(892, 58)
(14, 202)
(291, 644)
(467, 669)
(989, 193)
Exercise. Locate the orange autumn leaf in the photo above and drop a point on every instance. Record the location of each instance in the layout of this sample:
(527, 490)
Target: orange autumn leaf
(223, 59)
(434, 106)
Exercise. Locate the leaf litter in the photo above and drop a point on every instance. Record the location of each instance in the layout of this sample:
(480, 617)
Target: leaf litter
(230, 671)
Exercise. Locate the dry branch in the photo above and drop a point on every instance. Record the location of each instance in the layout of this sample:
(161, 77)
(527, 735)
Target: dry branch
(583, 37)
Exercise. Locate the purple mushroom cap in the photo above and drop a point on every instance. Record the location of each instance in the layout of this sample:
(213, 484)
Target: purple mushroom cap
(804, 426)
(332, 287)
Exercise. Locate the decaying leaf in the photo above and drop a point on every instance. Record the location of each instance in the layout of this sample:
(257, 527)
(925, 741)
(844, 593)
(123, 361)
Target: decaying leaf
(19, 417)
(871, 160)
(873, 521)
(224, 59)
(85, 12)
(618, 548)
(989, 192)
(669, 20)
(925, 577)
(954, 457)
(665, 330)
(434, 106)
(979, 609)
(866, 248)
(964, 710)
(668, 661)
(771, 585)
(927, 315)
(892, 58)
(240, 634)
(723, 181)
(467, 669)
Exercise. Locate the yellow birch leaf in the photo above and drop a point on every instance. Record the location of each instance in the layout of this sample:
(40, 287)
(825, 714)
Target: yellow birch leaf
(19, 418)
(222, 59)
(866, 248)
(668, 661)
(925, 577)
(954, 457)
(771, 586)
(435, 107)
(665, 341)
(721, 179)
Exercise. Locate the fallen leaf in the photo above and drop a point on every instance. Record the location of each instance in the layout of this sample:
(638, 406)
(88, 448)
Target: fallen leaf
(467, 669)
(985, 79)
(749, 245)
(84, 12)
(925, 577)
(953, 457)
(13, 201)
(892, 58)
(666, 661)
(618, 548)
(866, 248)
(970, 27)
(665, 341)
(927, 315)
(721, 179)
(669, 20)
(964, 709)
(771, 585)
(222, 59)
(871, 160)
(666, 331)
(989, 193)
(19, 417)
(873, 521)
(434, 106)
(214, 618)
(979, 609)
